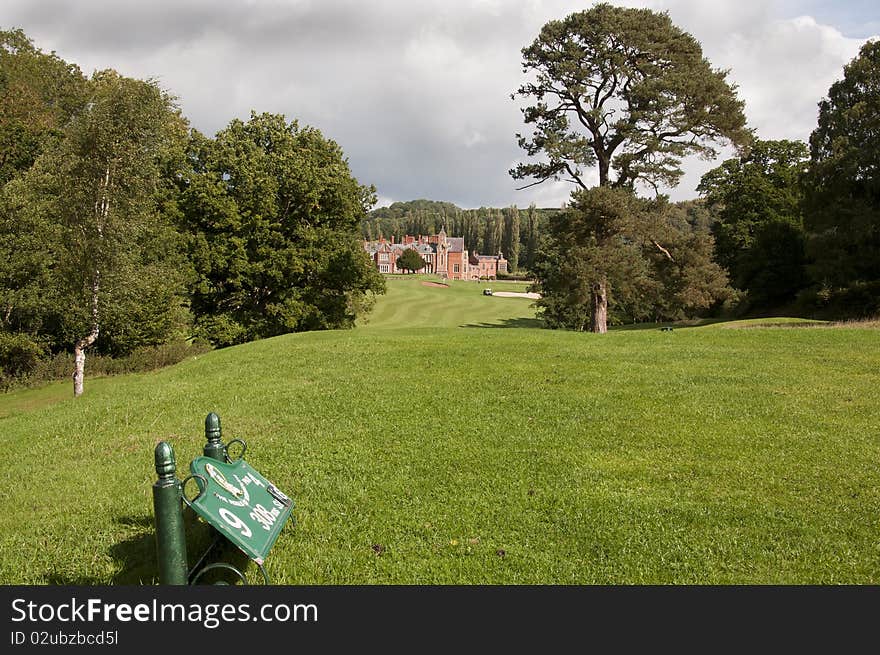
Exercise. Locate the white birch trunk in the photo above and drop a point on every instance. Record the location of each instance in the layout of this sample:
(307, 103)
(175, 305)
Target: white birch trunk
(102, 210)
(79, 350)
(599, 309)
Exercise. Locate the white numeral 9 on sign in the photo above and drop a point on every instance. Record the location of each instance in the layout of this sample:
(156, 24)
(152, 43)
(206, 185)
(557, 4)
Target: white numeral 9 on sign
(234, 522)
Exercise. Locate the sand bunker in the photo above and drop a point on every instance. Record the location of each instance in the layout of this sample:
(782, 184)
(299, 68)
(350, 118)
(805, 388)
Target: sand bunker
(435, 284)
(511, 294)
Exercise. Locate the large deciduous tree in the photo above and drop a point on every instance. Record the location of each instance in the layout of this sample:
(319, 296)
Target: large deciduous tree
(39, 93)
(759, 232)
(99, 239)
(625, 91)
(84, 252)
(273, 212)
(843, 198)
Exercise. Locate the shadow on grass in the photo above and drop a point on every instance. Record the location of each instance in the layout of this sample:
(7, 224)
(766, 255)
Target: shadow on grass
(137, 557)
(509, 323)
(641, 327)
(677, 325)
(538, 323)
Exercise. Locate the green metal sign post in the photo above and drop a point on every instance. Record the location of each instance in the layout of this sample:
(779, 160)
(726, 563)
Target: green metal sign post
(234, 498)
(170, 535)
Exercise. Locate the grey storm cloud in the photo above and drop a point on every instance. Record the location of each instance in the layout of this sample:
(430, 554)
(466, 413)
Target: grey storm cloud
(418, 93)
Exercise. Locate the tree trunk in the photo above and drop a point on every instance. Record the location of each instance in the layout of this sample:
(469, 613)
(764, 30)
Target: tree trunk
(102, 211)
(79, 354)
(604, 165)
(599, 309)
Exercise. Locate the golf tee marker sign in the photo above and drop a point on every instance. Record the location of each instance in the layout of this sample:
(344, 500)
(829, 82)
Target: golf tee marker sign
(240, 503)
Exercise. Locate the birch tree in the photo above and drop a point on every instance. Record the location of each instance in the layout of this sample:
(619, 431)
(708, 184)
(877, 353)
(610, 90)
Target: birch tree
(98, 188)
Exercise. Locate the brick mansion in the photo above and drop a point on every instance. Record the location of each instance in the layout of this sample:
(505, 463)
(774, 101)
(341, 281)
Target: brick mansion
(443, 255)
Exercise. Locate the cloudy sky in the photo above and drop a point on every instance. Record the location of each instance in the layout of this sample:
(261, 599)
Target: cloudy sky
(418, 93)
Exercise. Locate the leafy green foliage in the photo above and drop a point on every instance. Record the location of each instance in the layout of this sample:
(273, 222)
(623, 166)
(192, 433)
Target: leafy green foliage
(28, 254)
(101, 190)
(492, 228)
(612, 234)
(84, 229)
(626, 91)
(39, 93)
(759, 236)
(19, 356)
(410, 260)
(272, 210)
(532, 236)
(510, 241)
(843, 203)
(400, 210)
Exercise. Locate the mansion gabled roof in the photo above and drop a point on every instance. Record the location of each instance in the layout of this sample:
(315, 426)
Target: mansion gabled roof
(373, 247)
(425, 245)
(456, 244)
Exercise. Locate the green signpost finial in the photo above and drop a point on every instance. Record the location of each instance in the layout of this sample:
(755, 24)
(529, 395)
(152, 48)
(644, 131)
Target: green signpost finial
(165, 465)
(213, 437)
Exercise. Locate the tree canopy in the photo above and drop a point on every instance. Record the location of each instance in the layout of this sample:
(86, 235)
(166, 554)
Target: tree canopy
(614, 234)
(273, 211)
(759, 232)
(97, 239)
(410, 260)
(104, 191)
(843, 199)
(39, 93)
(626, 91)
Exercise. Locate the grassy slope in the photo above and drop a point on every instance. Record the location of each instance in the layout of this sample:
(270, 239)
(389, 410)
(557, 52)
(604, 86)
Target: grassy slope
(483, 456)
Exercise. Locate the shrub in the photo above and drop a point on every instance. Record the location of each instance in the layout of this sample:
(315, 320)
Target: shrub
(147, 358)
(515, 277)
(19, 357)
(858, 300)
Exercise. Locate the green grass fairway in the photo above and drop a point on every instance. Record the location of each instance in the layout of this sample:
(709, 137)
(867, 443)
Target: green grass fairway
(473, 455)
(410, 303)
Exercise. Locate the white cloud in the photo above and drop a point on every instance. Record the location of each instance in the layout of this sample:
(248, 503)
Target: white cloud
(417, 94)
(783, 68)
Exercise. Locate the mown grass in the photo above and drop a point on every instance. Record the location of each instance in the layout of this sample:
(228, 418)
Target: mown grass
(455, 455)
(409, 303)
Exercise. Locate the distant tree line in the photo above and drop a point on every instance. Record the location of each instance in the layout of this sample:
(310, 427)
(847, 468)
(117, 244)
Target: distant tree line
(123, 228)
(513, 232)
